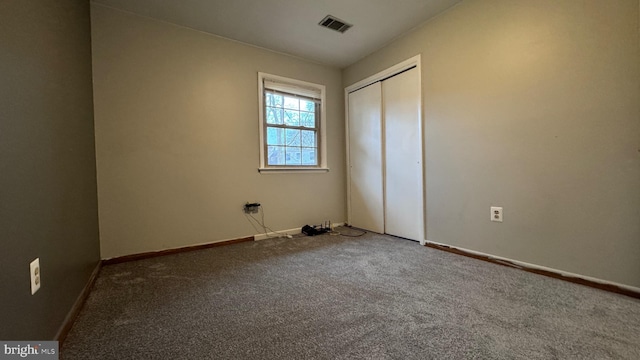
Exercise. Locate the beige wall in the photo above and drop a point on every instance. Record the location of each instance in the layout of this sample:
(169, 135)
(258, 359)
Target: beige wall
(533, 106)
(176, 114)
(48, 202)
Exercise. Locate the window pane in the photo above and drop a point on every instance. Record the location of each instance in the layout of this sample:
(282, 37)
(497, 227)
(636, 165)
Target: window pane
(309, 156)
(307, 105)
(291, 103)
(275, 136)
(275, 155)
(274, 100)
(307, 119)
(292, 117)
(274, 115)
(308, 138)
(293, 156)
(293, 137)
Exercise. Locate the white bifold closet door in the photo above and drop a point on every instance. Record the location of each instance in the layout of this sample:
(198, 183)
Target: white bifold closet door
(365, 155)
(385, 157)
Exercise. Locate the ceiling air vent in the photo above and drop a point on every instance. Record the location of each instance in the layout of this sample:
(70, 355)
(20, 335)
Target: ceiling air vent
(334, 23)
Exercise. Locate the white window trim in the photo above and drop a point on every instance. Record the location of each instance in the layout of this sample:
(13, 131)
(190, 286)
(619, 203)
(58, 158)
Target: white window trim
(263, 168)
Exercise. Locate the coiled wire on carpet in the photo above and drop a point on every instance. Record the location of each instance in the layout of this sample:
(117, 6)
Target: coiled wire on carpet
(335, 232)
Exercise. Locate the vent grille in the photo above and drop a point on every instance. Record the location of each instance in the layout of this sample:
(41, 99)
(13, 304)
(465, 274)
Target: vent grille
(334, 23)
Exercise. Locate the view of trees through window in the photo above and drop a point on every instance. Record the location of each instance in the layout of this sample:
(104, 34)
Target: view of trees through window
(291, 129)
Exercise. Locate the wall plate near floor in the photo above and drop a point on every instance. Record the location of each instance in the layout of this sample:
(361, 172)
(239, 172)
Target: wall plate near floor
(496, 213)
(251, 208)
(34, 270)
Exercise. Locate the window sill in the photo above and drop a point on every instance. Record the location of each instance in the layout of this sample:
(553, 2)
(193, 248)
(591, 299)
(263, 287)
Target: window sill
(289, 170)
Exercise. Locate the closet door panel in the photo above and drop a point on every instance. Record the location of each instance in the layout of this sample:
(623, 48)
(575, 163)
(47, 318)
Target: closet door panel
(403, 156)
(365, 159)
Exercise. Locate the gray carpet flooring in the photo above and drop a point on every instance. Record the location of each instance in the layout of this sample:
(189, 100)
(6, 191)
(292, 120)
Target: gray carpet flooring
(336, 297)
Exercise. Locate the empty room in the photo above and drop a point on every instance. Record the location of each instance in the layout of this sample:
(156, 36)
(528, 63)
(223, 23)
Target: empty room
(299, 179)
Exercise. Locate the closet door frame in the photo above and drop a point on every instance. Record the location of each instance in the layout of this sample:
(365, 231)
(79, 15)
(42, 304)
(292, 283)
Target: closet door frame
(394, 70)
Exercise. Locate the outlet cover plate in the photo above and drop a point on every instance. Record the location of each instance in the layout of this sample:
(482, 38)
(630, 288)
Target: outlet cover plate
(496, 213)
(34, 270)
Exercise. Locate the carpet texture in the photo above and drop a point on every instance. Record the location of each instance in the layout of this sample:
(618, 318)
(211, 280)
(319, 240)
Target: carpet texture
(336, 297)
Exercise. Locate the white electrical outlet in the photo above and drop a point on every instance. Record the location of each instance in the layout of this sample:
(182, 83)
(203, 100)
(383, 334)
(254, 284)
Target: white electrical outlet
(496, 213)
(34, 269)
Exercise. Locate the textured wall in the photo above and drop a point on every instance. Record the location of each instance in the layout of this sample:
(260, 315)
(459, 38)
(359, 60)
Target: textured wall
(48, 202)
(533, 106)
(177, 137)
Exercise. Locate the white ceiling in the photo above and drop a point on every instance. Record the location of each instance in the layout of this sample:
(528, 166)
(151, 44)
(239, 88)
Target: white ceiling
(291, 26)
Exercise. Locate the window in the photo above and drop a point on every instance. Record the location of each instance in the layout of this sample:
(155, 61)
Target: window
(291, 124)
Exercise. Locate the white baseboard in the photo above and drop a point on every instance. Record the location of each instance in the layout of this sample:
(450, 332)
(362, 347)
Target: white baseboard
(525, 265)
(284, 233)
